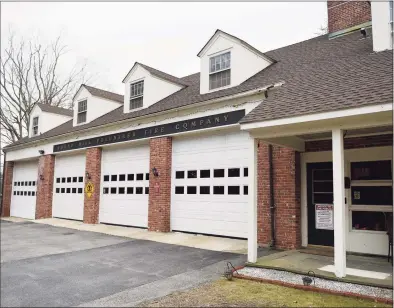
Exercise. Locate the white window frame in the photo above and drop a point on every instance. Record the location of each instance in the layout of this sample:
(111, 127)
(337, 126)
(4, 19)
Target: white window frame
(136, 96)
(213, 72)
(85, 111)
(35, 126)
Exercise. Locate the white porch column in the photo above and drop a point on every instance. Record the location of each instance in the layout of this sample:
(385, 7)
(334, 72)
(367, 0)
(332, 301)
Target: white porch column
(339, 203)
(252, 208)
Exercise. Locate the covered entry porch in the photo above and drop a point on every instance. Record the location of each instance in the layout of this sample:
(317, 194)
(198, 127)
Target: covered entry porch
(345, 179)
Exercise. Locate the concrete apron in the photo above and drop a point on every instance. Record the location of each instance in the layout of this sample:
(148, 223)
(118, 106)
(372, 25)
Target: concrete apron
(176, 238)
(301, 263)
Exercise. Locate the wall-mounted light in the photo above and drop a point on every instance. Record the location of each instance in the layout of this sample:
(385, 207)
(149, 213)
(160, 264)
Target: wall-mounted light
(155, 172)
(41, 177)
(41, 152)
(88, 175)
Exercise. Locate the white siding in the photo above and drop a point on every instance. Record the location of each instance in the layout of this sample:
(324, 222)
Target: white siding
(381, 28)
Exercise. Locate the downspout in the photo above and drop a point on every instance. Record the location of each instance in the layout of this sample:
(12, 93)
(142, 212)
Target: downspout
(272, 198)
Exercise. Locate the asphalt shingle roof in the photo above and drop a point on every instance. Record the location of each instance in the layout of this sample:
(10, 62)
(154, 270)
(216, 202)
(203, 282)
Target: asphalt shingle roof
(319, 75)
(104, 94)
(55, 109)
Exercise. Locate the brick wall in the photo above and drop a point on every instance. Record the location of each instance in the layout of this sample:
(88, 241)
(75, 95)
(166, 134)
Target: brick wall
(7, 188)
(346, 14)
(46, 168)
(160, 187)
(287, 196)
(351, 143)
(92, 203)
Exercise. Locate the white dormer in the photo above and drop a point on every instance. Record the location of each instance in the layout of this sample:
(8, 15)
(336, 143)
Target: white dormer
(91, 103)
(382, 25)
(227, 61)
(145, 86)
(44, 117)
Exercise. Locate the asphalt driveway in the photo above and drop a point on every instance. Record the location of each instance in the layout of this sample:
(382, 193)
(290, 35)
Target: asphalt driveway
(43, 265)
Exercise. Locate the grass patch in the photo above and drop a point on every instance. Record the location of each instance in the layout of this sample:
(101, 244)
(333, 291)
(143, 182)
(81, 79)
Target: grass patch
(243, 293)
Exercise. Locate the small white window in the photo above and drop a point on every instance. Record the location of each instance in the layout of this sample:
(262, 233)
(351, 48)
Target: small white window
(82, 110)
(35, 126)
(136, 95)
(220, 71)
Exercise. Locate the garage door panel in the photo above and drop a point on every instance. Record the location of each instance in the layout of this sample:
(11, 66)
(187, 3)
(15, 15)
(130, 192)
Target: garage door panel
(24, 188)
(69, 182)
(210, 185)
(125, 186)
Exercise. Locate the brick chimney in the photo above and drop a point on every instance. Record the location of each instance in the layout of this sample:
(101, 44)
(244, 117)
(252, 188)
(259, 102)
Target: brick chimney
(347, 16)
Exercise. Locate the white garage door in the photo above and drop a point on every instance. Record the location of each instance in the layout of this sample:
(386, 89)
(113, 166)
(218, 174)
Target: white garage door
(210, 185)
(68, 196)
(125, 186)
(23, 200)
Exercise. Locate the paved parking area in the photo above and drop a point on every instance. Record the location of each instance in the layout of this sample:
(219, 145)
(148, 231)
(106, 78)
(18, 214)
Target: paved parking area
(43, 265)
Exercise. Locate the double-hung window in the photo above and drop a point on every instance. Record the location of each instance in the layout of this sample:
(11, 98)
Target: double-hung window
(136, 94)
(82, 109)
(220, 71)
(35, 126)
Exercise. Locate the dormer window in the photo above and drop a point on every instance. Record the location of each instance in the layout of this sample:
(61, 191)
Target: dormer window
(219, 71)
(82, 110)
(136, 94)
(35, 126)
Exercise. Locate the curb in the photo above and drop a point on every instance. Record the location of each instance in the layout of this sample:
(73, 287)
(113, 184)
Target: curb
(315, 289)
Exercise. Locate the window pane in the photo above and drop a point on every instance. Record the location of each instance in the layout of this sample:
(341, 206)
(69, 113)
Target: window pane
(63, 190)
(80, 190)
(204, 190)
(246, 190)
(75, 179)
(69, 179)
(113, 190)
(68, 190)
(130, 177)
(179, 190)
(122, 177)
(218, 190)
(233, 172)
(220, 79)
(114, 177)
(81, 118)
(33, 193)
(105, 190)
(218, 173)
(180, 174)
(371, 170)
(29, 193)
(136, 102)
(219, 62)
(191, 190)
(140, 176)
(130, 190)
(246, 172)
(138, 190)
(233, 190)
(146, 190)
(369, 220)
(57, 190)
(121, 190)
(372, 195)
(74, 190)
(80, 179)
(147, 176)
(57, 180)
(34, 183)
(192, 174)
(205, 173)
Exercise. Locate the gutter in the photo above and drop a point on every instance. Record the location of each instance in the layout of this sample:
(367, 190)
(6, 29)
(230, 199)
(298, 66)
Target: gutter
(216, 100)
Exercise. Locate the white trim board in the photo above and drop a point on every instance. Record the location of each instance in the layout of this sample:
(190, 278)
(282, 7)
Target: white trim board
(357, 272)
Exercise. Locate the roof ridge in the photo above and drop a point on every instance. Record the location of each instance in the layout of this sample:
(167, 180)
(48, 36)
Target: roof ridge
(85, 85)
(157, 72)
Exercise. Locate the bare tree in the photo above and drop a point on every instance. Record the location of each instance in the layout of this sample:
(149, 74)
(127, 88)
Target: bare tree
(30, 74)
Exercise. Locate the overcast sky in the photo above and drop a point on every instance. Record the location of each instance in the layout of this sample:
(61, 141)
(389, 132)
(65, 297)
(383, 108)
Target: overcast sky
(166, 36)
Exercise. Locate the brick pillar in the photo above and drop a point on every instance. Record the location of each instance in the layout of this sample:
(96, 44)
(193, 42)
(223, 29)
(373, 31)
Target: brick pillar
(7, 188)
(287, 196)
(46, 168)
(160, 186)
(92, 203)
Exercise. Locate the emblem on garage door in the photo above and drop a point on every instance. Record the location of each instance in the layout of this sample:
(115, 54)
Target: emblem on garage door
(89, 189)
